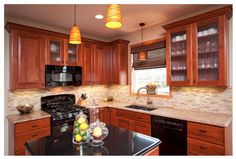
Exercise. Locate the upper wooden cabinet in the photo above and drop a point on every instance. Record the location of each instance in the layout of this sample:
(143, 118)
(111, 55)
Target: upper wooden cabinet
(119, 66)
(32, 48)
(26, 58)
(197, 50)
(60, 52)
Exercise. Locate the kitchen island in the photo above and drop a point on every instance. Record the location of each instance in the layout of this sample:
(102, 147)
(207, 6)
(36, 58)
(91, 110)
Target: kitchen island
(119, 142)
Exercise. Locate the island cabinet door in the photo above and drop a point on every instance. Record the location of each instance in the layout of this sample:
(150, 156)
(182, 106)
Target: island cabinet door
(124, 123)
(103, 115)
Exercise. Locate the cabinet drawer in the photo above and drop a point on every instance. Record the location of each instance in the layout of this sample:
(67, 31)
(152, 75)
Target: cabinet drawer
(142, 127)
(203, 148)
(133, 115)
(207, 133)
(20, 139)
(32, 125)
(20, 153)
(123, 123)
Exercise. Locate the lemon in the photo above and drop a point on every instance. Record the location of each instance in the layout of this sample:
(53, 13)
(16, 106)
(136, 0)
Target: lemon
(83, 126)
(97, 132)
(81, 120)
(78, 138)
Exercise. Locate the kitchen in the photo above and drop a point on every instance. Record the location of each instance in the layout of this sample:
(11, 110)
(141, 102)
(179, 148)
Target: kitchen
(160, 83)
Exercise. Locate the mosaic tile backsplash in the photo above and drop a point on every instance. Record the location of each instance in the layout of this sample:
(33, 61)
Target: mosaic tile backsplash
(206, 99)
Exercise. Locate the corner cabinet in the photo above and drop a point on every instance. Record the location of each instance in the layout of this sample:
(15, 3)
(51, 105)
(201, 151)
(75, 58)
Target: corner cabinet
(197, 50)
(26, 58)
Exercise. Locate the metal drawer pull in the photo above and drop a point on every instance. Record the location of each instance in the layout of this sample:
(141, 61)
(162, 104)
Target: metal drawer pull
(34, 135)
(33, 126)
(202, 147)
(202, 131)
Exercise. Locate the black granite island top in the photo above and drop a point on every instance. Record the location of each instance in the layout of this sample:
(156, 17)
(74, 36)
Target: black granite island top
(119, 142)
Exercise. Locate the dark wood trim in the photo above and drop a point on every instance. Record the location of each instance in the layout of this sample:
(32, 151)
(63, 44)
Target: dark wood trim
(222, 11)
(120, 41)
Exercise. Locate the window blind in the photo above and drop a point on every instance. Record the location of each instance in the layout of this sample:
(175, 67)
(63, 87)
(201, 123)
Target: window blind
(156, 56)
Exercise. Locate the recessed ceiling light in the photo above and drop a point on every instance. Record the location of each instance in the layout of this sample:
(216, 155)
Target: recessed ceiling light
(99, 16)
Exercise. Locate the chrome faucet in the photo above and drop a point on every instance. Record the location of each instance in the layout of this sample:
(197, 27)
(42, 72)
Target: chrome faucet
(149, 101)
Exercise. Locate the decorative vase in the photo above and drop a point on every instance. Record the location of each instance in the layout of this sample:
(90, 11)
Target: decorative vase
(98, 132)
(81, 129)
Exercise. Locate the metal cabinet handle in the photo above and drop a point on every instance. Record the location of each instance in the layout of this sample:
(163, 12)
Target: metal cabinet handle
(202, 147)
(34, 135)
(203, 131)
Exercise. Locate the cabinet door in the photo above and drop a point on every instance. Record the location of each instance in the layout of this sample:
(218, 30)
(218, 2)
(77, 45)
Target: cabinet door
(98, 64)
(107, 65)
(210, 52)
(115, 65)
(142, 127)
(103, 115)
(87, 63)
(72, 54)
(179, 58)
(124, 123)
(55, 50)
(27, 59)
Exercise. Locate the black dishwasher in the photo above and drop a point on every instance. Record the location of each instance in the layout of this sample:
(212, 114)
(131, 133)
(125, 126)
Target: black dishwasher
(172, 133)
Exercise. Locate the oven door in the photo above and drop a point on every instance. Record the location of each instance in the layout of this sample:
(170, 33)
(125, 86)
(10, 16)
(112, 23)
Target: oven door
(62, 127)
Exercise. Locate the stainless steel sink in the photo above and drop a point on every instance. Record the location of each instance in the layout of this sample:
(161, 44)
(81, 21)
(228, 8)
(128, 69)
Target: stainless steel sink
(140, 107)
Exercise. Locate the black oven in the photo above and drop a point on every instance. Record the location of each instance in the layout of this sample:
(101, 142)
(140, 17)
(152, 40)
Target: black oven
(63, 75)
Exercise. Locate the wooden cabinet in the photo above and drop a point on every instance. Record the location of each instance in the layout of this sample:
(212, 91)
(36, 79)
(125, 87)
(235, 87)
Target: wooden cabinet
(107, 115)
(208, 140)
(179, 57)
(133, 121)
(119, 66)
(25, 131)
(92, 63)
(32, 48)
(197, 50)
(153, 152)
(60, 52)
(26, 59)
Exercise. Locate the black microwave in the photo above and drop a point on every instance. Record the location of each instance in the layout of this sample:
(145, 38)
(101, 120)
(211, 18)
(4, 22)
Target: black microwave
(63, 75)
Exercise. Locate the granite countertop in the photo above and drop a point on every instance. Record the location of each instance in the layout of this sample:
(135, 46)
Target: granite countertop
(119, 142)
(35, 114)
(221, 120)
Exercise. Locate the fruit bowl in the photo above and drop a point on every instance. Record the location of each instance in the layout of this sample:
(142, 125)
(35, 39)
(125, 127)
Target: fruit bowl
(81, 129)
(24, 109)
(98, 132)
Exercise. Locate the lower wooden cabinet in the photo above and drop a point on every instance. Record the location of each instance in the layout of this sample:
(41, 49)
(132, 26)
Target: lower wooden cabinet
(153, 152)
(22, 132)
(133, 121)
(206, 139)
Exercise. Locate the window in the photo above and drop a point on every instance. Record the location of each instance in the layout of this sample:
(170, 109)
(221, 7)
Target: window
(150, 73)
(143, 77)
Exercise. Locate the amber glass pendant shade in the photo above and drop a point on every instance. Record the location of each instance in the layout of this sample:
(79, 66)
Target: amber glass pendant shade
(75, 37)
(142, 56)
(113, 18)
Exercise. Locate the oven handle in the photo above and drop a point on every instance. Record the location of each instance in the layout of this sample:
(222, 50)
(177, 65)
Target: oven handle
(64, 121)
(177, 129)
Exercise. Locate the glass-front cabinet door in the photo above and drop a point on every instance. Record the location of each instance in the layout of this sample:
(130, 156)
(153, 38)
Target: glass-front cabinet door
(209, 57)
(72, 54)
(55, 53)
(179, 56)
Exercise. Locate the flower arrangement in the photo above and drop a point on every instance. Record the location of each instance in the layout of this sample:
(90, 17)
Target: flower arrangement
(151, 86)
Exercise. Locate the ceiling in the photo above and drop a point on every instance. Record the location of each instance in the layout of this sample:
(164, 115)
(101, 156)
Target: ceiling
(62, 16)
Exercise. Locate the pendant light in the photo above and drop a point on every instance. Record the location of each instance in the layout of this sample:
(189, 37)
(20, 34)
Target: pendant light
(113, 18)
(75, 37)
(142, 55)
